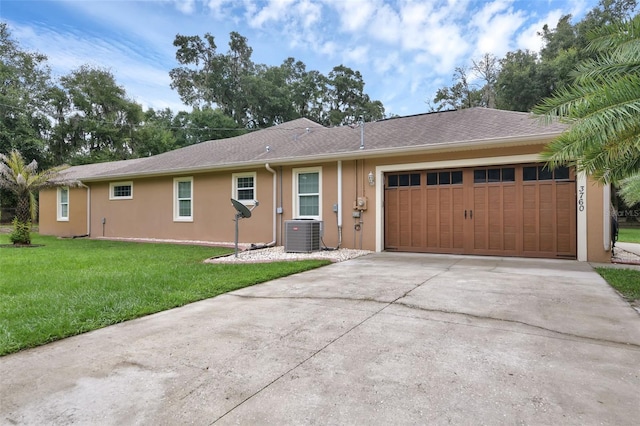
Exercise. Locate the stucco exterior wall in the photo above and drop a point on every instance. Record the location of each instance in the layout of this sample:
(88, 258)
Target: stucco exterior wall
(149, 213)
(48, 213)
(595, 222)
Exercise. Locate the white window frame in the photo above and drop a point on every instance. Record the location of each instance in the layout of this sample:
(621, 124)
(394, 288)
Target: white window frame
(296, 196)
(112, 186)
(176, 200)
(234, 191)
(59, 204)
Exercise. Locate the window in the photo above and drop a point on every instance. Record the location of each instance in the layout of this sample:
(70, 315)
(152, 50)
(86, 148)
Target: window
(444, 178)
(543, 173)
(121, 190)
(403, 179)
(183, 199)
(505, 174)
(244, 187)
(307, 190)
(63, 204)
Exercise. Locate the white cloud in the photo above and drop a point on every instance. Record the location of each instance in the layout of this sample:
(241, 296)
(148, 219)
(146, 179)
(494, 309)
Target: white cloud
(357, 55)
(309, 13)
(387, 63)
(185, 6)
(385, 25)
(328, 48)
(354, 16)
(273, 11)
(495, 25)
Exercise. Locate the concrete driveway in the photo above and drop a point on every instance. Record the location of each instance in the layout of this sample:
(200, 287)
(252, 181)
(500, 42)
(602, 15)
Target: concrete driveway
(382, 339)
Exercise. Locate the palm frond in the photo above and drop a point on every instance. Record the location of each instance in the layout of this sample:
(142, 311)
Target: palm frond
(630, 189)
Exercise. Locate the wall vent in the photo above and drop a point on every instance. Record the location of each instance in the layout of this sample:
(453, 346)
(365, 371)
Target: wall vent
(302, 236)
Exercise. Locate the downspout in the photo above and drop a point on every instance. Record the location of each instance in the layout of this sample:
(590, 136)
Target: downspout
(339, 212)
(606, 217)
(88, 211)
(280, 210)
(88, 234)
(274, 185)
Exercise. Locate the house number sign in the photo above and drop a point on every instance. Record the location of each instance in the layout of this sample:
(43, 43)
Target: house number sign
(581, 192)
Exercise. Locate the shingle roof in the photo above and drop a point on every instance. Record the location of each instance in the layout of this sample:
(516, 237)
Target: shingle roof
(302, 139)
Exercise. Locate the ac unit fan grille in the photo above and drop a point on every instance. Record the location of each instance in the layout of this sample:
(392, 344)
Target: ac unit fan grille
(302, 236)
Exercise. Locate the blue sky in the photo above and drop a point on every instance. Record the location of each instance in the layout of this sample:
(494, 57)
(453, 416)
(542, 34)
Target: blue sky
(404, 49)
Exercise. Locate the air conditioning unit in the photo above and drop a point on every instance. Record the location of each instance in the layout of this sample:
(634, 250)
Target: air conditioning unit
(302, 236)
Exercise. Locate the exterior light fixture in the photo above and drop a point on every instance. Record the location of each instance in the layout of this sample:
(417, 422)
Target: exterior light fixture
(372, 179)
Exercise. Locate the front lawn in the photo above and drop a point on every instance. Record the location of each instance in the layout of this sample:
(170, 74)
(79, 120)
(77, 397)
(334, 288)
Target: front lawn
(68, 287)
(626, 281)
(629, 235)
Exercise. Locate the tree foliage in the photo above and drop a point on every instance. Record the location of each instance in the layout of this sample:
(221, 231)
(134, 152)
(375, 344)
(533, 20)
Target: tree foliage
(24, 84)
(257, 95)
(24, 180)
(602, 107)
(524, 78)
(473, 87)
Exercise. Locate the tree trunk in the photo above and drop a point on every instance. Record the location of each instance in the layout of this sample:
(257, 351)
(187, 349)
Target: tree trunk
(23, 209)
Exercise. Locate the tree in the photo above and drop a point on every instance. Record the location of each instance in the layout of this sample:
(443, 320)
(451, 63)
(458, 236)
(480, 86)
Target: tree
(207, 78)
(24, 84)
(307, 90)
(203, 124)
(154, 135)
(98, 121)
(517, 86)
(466, 94)
(257, 95)
(602, 108)
(346, 98)
(528, 77)
(25, 181)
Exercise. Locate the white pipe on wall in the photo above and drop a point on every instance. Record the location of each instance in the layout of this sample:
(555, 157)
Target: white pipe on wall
(606, 217)
(340, 194)
(275, 187)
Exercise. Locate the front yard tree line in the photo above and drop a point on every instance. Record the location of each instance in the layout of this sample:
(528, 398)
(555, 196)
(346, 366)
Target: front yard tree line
(87, 117)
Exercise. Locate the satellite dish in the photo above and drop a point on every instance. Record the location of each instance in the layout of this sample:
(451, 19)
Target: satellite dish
(243, 211)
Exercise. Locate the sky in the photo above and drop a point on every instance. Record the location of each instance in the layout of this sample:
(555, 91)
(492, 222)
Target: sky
(404, 49)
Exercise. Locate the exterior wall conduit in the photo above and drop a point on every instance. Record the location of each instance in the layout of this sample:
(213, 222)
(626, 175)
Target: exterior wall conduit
(275, 187)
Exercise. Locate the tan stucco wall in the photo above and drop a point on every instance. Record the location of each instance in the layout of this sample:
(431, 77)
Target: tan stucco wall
(150, 213)
(595, 222)
(48, 213)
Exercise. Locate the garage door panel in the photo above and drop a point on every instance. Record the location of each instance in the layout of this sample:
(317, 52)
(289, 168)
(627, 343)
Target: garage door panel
(457, 216)
(504, 210)
(416, 217)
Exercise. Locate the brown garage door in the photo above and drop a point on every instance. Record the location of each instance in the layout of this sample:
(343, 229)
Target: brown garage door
(520, 210)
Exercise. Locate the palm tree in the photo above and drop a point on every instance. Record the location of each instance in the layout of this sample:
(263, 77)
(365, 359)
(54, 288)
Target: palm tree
(25, 181)
(602, 107)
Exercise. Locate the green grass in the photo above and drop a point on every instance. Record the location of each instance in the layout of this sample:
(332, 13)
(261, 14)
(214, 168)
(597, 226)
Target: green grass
(68, 287)
(629, 235)
(626, 281)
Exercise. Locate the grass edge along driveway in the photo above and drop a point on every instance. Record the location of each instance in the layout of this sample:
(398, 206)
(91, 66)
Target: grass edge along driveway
(68, 287)
(625, 281)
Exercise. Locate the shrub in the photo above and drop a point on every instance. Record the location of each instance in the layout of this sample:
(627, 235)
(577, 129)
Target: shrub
(21, 234)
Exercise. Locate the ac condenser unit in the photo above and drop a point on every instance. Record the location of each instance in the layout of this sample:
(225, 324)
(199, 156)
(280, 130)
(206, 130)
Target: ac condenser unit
(302, 236)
